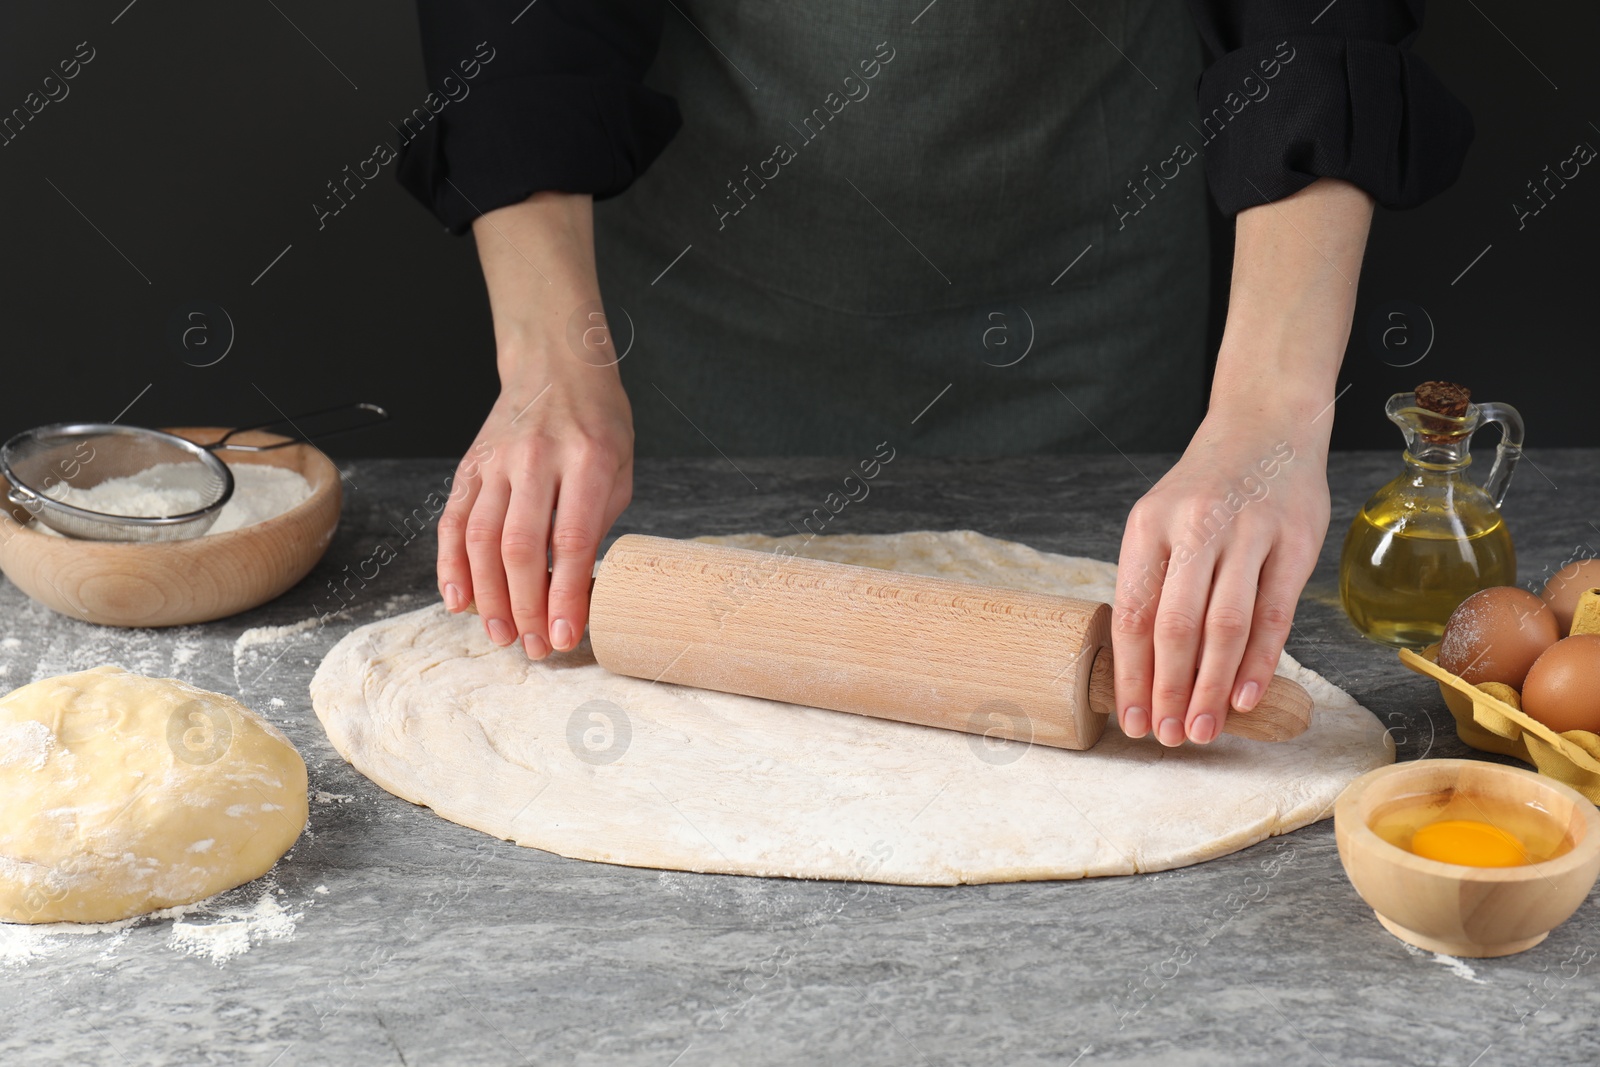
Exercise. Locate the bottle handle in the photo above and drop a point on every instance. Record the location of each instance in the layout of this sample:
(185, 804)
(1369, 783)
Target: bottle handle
(1507, 452)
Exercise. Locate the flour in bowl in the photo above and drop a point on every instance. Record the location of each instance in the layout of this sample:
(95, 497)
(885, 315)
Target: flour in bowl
(260, 492)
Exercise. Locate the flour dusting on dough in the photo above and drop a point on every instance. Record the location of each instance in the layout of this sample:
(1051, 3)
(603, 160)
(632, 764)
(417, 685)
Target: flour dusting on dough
(27, 743)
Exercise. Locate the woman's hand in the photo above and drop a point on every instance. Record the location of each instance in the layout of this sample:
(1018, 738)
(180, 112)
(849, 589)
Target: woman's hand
(1213, 560)
(1215, 555)
(550, 471)
(552, 467)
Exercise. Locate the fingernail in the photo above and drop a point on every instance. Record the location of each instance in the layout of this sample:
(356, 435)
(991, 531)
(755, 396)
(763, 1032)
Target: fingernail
(500, 633)
(1249, 694)
(452, 598)
(561, 635)
(1170, 732)
(533, 646)
(1203, 729)
(1135, 722)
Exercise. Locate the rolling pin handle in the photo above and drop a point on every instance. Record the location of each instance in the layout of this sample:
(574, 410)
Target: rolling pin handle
(1283, 713)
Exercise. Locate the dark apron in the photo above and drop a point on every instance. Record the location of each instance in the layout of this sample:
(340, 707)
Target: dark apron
(971, 234)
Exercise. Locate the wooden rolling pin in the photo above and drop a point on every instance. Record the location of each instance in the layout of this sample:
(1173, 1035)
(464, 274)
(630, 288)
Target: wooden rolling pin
(949, 654)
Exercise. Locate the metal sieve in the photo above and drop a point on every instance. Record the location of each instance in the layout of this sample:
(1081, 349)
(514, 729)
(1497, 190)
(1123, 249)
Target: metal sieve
(81, 455)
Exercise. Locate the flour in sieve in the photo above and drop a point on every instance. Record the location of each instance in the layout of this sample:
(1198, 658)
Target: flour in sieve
(260, 492)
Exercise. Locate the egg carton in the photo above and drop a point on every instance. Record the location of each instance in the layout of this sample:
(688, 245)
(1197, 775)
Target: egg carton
(1489, 718)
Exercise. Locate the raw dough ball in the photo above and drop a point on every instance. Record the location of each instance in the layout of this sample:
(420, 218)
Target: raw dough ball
(124, 794)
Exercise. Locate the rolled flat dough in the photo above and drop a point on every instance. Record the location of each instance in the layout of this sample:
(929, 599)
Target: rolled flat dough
(562, 755)
(124, 794)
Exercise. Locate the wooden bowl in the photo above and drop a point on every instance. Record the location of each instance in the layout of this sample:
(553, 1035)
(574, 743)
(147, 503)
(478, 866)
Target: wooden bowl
(1456, 909)
(176, 583)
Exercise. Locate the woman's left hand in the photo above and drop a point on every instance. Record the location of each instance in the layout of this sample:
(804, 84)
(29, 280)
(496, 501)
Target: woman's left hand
(1214, 557)
(1213, 561)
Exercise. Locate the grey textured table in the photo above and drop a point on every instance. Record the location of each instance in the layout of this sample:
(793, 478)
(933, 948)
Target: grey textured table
(416, 941)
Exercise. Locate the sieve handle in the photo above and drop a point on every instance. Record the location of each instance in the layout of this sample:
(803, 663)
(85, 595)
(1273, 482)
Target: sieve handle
(368, 409)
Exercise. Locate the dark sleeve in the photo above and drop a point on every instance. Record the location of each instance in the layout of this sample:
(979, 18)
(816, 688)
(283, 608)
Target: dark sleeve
(551, 101)
(1306, 89)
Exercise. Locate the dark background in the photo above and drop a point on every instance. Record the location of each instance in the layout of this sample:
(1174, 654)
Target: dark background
(199, 136)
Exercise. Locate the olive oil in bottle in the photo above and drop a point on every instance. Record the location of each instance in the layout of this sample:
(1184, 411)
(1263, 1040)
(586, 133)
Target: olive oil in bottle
(1431, 537)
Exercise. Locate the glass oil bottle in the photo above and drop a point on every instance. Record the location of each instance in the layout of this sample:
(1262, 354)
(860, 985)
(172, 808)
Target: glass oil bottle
(1429, 539)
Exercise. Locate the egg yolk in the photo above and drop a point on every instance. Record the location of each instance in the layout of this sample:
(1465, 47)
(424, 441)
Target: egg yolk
(1468, 842)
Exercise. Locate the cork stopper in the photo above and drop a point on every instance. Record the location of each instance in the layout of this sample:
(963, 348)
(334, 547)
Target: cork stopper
(1444, 398)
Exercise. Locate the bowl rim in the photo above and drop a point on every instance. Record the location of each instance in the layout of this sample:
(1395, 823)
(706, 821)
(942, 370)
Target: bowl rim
(1582, 854)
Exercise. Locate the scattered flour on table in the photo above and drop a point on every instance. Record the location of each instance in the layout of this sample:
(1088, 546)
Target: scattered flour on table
(1458, 967)
(218, 929)
(260, 492)
(333, 798)
(237, 929)
(271, 635)
(253, 655)
(114, 942)
(185, 648)
(153, 653)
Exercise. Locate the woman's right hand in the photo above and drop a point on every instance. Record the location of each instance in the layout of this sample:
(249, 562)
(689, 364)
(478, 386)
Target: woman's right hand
(552, 467)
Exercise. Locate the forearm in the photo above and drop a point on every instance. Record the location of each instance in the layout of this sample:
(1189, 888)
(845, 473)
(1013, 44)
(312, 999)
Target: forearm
(538, 264)
(1296, 263)
(552, 466)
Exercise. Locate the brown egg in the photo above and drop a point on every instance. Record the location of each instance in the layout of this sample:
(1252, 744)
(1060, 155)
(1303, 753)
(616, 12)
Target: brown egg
(1566, 585)
(1496, 634)
(1563, 688)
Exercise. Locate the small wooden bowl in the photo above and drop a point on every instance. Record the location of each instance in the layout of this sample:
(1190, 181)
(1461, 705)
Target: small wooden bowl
(1455, 909)
(176, 583)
